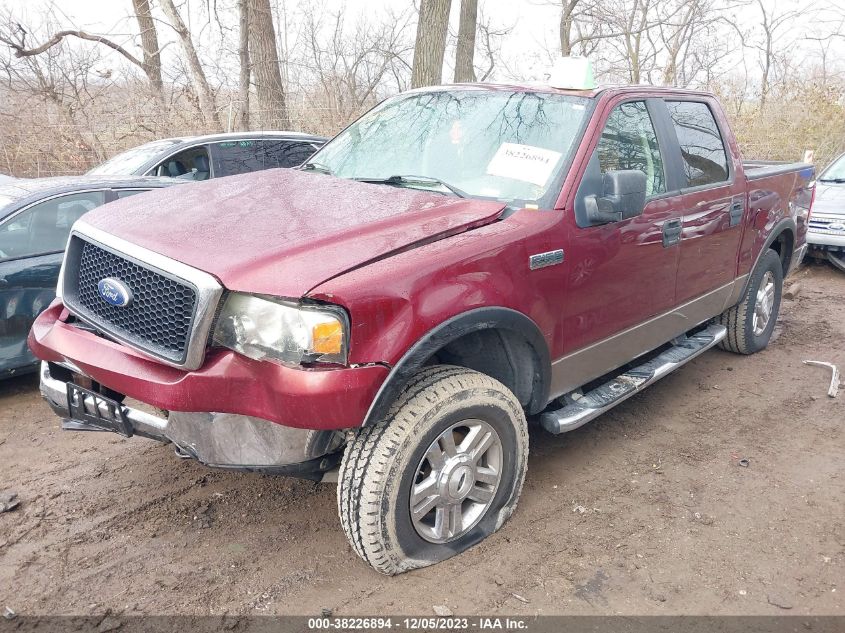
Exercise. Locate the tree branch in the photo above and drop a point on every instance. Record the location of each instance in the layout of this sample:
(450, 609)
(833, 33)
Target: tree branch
(20, 51)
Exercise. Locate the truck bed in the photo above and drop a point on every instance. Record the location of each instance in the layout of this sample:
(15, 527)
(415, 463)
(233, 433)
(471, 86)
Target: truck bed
(756, 169)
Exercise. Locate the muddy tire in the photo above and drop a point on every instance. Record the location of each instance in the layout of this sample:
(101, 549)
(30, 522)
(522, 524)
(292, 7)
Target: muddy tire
(442, 471)
(750, 323)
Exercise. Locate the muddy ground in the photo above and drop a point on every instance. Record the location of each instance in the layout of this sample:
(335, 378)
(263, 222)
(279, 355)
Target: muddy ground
(644, 511)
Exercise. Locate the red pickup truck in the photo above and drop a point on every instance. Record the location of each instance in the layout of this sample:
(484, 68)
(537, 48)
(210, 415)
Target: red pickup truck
(459, 261)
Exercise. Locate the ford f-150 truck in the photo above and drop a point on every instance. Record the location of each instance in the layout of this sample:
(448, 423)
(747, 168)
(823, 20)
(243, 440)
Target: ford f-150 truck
(458, 261)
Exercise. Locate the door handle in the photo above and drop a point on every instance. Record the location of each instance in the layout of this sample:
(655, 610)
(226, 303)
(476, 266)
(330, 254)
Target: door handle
(3, 282)
(737, 209)
(672, 232)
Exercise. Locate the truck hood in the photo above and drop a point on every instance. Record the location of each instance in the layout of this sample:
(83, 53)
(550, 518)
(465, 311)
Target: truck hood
(830, 198)
(282, 231)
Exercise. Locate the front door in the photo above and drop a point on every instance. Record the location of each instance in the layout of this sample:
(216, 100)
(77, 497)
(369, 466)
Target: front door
(621, 274)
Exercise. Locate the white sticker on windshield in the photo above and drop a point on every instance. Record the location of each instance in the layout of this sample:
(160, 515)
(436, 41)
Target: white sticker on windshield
(523, 162)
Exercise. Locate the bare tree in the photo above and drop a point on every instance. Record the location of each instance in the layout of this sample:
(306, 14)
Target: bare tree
(202, 89)
(151, 63)
(243, 61)
(430, 46)
(266, 66)
(345, 66)
(772, 23)
(465, 53)
(490, 45)
(568, 15)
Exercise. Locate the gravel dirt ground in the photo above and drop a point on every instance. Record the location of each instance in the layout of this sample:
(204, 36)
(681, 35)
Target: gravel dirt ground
(644, 511)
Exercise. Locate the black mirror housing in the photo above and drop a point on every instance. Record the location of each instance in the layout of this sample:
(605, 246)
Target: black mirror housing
(600, 210)
(625, 189)
(623, 197)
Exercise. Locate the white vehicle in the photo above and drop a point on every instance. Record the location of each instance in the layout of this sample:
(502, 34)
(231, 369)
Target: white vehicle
(826, 231)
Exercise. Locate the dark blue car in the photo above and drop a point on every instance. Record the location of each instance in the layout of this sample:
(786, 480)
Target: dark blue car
(35, 220)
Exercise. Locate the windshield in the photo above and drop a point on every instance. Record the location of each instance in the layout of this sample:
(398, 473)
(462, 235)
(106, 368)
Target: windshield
(132, 160)
(510, 146)
(836, 171)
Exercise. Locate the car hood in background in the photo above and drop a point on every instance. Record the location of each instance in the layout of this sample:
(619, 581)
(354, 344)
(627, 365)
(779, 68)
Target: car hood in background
(830, 198)
(281, 231)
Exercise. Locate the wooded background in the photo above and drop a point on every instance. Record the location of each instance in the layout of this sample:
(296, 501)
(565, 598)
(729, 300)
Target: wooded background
(71, 98)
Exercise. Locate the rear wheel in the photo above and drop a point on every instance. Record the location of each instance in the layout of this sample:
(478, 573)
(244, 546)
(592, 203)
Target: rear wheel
(440, 473)
(750, 323)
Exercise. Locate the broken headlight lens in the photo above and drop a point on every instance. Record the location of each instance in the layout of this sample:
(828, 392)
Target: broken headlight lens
(293, 334)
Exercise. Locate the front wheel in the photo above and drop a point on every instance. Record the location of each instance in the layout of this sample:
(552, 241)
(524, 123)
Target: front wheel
(441, 472)
(750, 323)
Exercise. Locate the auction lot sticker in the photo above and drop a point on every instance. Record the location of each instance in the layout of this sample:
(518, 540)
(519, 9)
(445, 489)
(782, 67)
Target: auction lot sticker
(523, 162)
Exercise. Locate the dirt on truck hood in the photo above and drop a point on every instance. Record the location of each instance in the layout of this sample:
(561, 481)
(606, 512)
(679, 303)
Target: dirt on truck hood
(282, 232)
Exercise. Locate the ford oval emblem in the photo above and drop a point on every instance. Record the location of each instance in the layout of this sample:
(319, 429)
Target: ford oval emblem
(114, 292)
(836, 226)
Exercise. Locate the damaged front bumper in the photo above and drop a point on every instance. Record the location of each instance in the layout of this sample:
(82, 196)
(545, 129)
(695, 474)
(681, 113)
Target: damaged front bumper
(221, 440)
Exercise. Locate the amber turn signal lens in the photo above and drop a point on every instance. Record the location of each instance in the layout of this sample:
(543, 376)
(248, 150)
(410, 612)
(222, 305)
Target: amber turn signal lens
(328, 338)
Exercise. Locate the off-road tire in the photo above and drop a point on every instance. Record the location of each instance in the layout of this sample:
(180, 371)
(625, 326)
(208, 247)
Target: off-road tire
(379, 466)
(739, 319)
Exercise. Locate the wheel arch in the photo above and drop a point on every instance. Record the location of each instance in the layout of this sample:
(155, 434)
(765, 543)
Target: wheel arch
(781, 239)
(496, 341)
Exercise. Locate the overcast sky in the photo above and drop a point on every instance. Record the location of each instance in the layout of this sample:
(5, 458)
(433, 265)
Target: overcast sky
(534, 23)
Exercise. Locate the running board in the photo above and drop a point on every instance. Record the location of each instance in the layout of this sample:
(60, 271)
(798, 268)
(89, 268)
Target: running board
(604, 397)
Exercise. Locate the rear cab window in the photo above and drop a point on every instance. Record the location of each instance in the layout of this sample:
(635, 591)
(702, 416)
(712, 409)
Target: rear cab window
(705, 160)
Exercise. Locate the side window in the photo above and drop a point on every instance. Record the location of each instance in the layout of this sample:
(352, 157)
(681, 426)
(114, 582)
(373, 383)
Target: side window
(237, 157)
(190, 164)
(630, 142)
(705, 159)
(126, 193)
(44, 227)
(286, 153)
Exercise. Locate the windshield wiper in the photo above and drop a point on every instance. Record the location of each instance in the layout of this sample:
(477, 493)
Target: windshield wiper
(410, 180)
(318, 167)
(837, 180)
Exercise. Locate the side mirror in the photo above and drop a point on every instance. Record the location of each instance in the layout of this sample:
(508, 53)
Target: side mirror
(623, 197)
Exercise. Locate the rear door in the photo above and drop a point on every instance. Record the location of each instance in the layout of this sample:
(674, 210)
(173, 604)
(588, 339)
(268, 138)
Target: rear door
(32, 242)
(713, 199)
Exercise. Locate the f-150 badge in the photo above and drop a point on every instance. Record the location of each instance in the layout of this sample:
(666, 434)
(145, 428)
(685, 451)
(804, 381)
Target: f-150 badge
(550, 258)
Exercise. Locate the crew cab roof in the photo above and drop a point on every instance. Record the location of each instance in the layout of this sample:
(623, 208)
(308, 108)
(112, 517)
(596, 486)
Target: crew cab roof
(540, 86)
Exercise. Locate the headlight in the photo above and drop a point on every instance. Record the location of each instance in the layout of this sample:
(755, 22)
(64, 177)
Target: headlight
(287, 332)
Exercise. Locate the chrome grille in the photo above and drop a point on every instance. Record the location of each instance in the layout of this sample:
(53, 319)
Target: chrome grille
(824, 225)
(162, 308)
